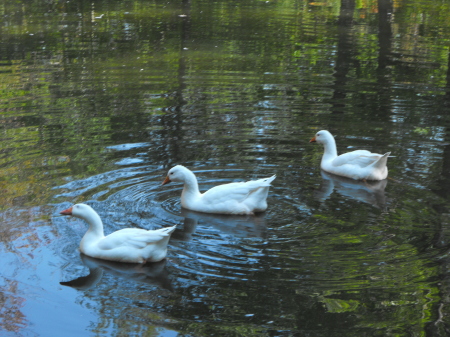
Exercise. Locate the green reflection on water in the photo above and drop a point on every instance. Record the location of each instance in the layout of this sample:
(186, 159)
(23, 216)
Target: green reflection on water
(245, 83)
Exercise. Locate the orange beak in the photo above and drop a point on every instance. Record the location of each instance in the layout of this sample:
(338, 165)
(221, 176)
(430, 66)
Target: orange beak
(66, 211)
(166, 181)
(313, 139)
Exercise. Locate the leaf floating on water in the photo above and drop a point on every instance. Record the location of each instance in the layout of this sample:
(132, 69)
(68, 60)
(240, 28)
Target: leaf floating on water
(317, 4)
(421, 131)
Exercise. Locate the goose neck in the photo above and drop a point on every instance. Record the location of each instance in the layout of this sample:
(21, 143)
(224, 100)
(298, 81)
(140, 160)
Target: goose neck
(190, 184)
(95, 224)
(330, 150)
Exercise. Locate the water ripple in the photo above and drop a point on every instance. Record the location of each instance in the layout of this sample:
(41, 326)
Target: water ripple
(290, 241)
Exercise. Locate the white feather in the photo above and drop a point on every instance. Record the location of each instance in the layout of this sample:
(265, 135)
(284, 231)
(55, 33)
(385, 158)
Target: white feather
(359, 164)
(234, 198)
(132, 245)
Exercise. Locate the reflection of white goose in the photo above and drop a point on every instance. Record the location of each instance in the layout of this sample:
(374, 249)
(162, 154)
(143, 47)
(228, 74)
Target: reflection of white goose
(234, 198)
(369, 192)
(359, 164)
(154, 273)
(133, 245)
(251, 226)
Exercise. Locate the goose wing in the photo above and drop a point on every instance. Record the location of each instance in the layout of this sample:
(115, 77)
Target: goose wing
(361, 158)
(224, 193)
(234, 191)
(134, 238)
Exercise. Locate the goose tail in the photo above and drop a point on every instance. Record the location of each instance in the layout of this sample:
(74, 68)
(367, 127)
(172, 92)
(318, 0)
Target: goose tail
(168, 230)
(267, 181)
(382, 161)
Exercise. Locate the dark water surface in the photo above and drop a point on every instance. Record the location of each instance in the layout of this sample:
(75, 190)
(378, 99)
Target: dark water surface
(98, 100)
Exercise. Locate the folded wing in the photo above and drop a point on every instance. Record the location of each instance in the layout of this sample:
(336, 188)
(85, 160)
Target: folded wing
(134, 238)
(234, 191)
(361, 158)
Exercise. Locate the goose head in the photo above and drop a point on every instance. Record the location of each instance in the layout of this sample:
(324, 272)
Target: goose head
(81, 211)
(176, 174)
(322, 137)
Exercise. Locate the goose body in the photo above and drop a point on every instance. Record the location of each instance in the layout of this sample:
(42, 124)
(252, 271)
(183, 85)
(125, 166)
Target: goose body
(233, 198)
(131, 245)
(359, 164)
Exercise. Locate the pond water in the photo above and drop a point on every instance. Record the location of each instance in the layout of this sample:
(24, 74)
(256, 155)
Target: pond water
(98, 100)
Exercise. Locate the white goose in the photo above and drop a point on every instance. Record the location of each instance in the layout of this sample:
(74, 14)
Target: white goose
(359, 164)
(234, 198)
(131, 245)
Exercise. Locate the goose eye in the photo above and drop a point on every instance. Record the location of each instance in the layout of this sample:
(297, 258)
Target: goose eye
(171, 172)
